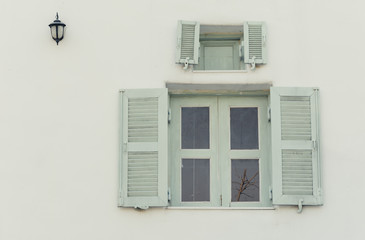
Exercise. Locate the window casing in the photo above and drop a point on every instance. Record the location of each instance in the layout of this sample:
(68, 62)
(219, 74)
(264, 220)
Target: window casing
(230, 158)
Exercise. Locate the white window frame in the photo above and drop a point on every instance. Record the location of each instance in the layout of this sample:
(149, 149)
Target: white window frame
(282, 102)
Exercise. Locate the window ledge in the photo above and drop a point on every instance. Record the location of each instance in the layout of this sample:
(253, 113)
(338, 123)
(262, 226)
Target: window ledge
(221, 208)
(220, 71)
(219, 89)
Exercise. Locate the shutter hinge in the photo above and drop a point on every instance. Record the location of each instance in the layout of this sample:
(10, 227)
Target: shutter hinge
(221, 200)
(169, 194)
(253, 63)
(314, 144)
(319, 192)
(300, 205)
(269, 114)
(169, 115)
(186, 63)
(270, 193)
(120, 198)
(178, 46)
(242, 51)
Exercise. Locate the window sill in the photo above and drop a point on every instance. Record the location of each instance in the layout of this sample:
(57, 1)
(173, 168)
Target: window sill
(220, 71)
(221, 208)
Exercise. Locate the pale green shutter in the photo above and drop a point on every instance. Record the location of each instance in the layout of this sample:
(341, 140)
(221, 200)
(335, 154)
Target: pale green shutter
(255, 43)
(187, 49)
(295, 146)
(143, 148)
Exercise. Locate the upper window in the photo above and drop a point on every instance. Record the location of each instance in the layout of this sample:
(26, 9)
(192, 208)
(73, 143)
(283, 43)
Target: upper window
(222, 155)
(221, 47)
(220, 148)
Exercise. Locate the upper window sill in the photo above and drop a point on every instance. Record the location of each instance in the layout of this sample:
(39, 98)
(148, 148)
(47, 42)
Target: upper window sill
(221, 208)
(220, 71)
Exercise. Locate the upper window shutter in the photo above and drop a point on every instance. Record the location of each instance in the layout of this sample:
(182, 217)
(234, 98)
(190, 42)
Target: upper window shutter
(187, 49)
(295, 146)
(143, 148)
(255, 43)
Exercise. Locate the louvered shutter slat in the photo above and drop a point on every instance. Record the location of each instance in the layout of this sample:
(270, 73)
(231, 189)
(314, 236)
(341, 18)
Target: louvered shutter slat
(295, 118)
(187, 42)
(254, 42)
(143, 148)
(295, 151)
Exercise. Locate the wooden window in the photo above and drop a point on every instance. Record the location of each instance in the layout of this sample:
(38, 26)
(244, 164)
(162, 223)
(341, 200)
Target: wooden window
(230, 138)
(143, 148)
(221, 47)
(222, 150)
(295, 146)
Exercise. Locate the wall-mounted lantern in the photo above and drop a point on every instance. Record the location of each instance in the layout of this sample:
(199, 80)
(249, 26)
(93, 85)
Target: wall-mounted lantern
(57, 29)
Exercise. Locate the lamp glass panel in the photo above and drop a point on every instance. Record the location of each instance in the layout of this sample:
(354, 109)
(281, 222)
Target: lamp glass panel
(53, 31)
(60, 32)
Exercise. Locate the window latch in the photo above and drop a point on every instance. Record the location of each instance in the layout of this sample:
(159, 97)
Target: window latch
(186, 63)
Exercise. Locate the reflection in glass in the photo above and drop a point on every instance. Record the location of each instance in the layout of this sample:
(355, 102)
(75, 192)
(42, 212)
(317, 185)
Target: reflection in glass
(195, 128)
(244, 128)
(195, 179)
(245, 185)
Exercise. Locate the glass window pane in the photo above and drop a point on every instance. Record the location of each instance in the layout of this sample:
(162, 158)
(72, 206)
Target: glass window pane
(245, 177)
(195, 128)
(244, 128)
(219, 58)
(195, 180)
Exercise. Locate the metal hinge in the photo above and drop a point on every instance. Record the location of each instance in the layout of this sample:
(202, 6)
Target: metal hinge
(270, 193)
(314, 144)
(319, 192)
(120, 198)
(253, 63)
(221, 200)
(186, 63)
(240, 52)
(269, 114)
(169, 115)
(300, 205)
(169, 195)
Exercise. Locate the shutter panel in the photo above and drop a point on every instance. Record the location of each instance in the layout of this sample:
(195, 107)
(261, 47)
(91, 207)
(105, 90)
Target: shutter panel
(295, 146)
(143, 144)
(187, 42)
(255, 42)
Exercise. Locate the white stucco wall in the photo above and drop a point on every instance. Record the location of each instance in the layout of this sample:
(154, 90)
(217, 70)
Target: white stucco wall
(59, 113)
